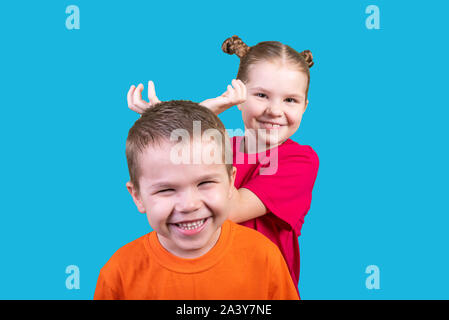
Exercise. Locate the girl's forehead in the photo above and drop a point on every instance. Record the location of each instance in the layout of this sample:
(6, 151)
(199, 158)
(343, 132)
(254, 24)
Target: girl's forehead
(273, 67)
(269, 75)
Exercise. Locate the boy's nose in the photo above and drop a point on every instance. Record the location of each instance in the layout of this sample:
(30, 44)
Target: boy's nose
(189, 201)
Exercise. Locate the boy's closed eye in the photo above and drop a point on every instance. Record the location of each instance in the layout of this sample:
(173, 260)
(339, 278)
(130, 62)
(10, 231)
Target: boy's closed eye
(163, 191)
(208, 182)
(203, 183)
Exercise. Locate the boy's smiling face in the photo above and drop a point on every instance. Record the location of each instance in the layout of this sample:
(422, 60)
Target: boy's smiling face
(186, 204)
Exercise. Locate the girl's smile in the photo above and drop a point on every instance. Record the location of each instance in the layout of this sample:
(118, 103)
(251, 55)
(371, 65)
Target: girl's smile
(267, 124)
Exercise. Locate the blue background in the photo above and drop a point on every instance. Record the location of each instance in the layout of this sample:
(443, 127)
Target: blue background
(377, 119)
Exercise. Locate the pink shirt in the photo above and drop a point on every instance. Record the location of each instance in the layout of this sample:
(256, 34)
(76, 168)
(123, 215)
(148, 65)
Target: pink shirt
(285, 188)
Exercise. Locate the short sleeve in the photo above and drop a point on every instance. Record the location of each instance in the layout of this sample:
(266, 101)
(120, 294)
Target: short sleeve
(281, 283)
(103, 291)
(109, 282)
(288, 192)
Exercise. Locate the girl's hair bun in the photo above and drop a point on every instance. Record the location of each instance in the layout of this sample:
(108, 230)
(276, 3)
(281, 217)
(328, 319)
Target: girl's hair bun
(235, 45)
(307, 54)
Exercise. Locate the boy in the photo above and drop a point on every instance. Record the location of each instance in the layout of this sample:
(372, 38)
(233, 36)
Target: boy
(193, 252)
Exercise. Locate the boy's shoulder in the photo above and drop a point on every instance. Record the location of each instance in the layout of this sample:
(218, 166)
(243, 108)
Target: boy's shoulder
(129, 255)
(249, 239)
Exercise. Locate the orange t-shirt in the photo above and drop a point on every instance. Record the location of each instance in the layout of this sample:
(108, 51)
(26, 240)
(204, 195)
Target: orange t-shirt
(243, 265)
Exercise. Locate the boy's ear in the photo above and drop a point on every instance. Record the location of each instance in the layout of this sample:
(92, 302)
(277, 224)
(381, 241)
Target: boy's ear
(136, 197)
(232, 179)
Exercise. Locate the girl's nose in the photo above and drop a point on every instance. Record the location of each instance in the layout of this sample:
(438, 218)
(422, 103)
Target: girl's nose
(274, 109)
(188, 201)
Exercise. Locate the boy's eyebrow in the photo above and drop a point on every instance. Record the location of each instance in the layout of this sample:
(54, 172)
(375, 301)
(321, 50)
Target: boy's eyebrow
(162, 185)
(209, 176)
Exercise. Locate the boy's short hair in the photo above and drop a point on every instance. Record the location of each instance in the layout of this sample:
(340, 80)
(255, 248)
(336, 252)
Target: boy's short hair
(157, 124)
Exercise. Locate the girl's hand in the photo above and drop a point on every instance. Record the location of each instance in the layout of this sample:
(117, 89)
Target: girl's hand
(135, 101)
(234, 95)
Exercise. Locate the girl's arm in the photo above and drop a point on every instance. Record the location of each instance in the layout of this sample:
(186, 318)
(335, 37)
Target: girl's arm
(234, 95)
(135, 101)
(245, 205)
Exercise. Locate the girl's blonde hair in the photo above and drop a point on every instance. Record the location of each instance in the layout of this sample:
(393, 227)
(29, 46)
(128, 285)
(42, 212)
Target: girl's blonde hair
(271, 51)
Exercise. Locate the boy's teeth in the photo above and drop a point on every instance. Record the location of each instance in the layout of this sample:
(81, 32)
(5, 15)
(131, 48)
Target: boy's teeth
(191, 225)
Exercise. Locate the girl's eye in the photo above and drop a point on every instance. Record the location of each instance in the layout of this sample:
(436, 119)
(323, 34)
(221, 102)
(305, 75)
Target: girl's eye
(290, 100)
(261, 95)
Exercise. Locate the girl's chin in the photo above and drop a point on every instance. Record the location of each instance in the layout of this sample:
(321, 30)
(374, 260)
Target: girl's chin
(270, 140)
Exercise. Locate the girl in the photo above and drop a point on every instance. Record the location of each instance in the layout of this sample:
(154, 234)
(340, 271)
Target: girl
(271, 90)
